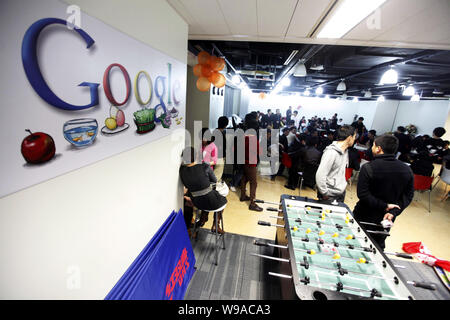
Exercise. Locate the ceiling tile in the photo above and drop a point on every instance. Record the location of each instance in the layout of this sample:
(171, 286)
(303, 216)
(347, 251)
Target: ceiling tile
(208, 17)
(391, 14)
(306, 15)
(240, 16)
(274, 17)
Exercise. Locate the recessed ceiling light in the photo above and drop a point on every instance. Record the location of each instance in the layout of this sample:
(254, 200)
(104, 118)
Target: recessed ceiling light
(236, 79)
(286, 82)
(319, 90)
(347, 15)
(409, 91)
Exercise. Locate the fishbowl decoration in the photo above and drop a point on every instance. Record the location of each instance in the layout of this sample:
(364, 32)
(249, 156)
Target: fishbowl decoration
(80, 132)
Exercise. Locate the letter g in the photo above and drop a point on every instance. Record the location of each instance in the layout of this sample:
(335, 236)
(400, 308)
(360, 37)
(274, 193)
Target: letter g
(34, 75)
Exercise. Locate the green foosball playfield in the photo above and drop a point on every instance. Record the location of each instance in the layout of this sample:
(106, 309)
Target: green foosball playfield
(325, 254)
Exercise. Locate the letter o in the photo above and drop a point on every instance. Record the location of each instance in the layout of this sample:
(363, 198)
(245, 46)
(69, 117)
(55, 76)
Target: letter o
(107, 88)
(136, 89)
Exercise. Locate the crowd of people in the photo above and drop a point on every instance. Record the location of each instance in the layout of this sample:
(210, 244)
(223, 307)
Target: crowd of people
(319, 151)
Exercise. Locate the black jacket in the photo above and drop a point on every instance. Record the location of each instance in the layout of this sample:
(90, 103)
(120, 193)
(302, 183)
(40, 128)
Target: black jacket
(382, 181)
(404, 142)
(422, 167)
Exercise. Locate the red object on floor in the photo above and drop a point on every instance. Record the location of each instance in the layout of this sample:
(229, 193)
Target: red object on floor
(424, 255)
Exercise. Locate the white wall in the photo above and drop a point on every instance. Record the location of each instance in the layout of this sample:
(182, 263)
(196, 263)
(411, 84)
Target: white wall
(384, 117)
(73, 237)
(311, 106)
(425, 115)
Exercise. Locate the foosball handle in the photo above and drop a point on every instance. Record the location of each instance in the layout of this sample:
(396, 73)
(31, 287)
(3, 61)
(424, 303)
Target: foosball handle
(424, 285)
(272, 209)
(264, 223)
(259, 201)
(260, 243)
(404, 255)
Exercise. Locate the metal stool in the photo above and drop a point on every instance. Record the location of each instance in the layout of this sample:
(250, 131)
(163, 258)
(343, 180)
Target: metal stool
(217, 235)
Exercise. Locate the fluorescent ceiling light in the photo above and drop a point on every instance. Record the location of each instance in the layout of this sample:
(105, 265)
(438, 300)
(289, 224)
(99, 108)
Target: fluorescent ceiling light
(319, 90)
(236, 79)
(381, 98)
(347, 16)
(300, 70)
(415, 98)
(389, 77)
(341, 86)
(291, 56)
(286, 82)
(410, 91)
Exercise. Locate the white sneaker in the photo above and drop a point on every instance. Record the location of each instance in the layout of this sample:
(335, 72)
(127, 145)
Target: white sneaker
(232, 188)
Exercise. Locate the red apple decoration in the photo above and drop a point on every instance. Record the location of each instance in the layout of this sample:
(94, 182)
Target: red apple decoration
(38, 147)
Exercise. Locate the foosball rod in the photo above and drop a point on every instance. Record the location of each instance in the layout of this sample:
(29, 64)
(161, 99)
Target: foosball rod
(316, 222)
(310, 208)
(309, 251)
(263, 201)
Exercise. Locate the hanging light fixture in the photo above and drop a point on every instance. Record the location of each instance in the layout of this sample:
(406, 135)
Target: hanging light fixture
(327, 97)
(389, 77)
(344, 96)
(341, 86)
(319, 90)
(410, 91)
(355, 99)
(300, 70)
(415, 98)
(368, 94)
(381, 98)
(306, 93)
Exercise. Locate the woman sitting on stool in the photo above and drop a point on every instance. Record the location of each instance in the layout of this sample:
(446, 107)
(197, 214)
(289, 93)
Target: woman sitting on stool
(197, 178)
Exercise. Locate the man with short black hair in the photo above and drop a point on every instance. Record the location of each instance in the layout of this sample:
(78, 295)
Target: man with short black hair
(359, 126)
(404, 142)
(330, 176)
(385, 187)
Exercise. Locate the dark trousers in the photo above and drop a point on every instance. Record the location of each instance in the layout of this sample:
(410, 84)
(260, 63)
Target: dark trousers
(293, 172)
(249, 176)
(338, 198)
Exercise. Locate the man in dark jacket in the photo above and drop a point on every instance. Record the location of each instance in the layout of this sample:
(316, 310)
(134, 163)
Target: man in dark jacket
(385, 186)
(404, 142)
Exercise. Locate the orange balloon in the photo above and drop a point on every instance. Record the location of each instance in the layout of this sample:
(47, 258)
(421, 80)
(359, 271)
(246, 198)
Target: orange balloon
(203, 84)
(214, 78)
(221, 81)
(214, 63)
(203, 57)
(206, 70)
(198, 70)
(220, 64)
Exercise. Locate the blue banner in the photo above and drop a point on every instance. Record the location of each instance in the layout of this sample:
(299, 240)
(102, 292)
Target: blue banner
(162, 271)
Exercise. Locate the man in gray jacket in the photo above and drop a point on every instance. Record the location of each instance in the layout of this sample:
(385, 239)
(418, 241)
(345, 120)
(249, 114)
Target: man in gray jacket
(330, 176)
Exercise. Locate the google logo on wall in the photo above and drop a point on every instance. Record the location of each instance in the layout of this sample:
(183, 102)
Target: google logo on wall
(34, 75)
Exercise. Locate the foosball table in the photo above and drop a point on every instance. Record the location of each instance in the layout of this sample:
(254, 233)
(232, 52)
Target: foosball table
(325, 254)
